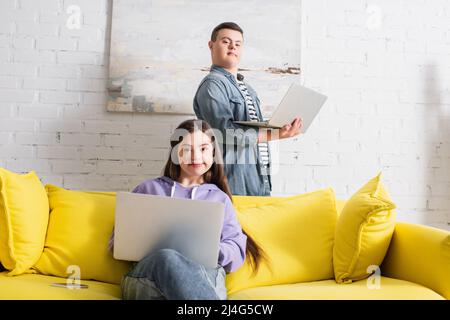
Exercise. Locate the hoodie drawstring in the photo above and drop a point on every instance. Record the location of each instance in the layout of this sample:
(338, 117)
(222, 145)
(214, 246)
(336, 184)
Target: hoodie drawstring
(172, 191)
(193, 192)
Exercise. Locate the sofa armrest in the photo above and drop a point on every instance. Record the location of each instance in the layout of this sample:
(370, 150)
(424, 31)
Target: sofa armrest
(419, 254)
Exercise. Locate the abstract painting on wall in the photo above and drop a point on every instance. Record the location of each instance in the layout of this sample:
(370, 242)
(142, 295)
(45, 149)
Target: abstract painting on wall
(159, 50)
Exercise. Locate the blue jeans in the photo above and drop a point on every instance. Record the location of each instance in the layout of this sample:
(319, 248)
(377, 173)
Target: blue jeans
(167, 274)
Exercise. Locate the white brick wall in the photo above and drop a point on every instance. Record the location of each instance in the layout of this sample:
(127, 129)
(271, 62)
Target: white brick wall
(385, 67)
(383, 64)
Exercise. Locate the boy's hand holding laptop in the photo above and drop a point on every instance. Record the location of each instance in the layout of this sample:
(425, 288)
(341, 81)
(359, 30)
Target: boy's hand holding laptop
(292, 129)
(294, 114)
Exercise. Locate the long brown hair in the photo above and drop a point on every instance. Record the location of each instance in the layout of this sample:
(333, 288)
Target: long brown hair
(215, 175)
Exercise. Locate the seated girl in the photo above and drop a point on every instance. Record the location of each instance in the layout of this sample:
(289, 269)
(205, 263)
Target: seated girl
(194, 170)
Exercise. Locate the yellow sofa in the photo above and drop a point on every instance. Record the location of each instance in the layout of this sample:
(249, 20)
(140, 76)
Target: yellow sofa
(415, 267)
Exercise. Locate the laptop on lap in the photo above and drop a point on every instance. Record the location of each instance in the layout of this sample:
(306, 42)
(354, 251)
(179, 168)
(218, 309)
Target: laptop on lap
(145, 223)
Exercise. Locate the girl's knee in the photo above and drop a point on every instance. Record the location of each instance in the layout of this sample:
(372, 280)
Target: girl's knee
(166, 255)
(167, 259)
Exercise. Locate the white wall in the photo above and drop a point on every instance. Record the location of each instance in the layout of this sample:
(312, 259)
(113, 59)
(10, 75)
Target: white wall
(383, 64)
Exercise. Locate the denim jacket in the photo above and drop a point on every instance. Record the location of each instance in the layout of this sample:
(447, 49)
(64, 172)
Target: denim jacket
(219, 101)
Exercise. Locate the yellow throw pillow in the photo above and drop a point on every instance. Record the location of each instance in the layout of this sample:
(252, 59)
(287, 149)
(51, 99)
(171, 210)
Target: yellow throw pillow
(296, 233)
(363, 232)
(23, 220)
(78, 233)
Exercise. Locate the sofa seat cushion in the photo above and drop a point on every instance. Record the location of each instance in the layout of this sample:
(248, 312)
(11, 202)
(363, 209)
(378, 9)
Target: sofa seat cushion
(38, 287)
(389, 289)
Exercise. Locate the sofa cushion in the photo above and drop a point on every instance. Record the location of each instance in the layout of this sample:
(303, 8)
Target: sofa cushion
(363, 232)
(388, 289)
(38, 287)
(420, 254)
(296, 234)
(78, 233)
(340, 204)
(24, 214)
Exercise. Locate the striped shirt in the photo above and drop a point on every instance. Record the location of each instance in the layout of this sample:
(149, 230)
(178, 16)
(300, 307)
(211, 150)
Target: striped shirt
(263, 147)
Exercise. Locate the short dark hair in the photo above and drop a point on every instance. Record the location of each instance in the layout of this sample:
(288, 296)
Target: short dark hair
(225, 25)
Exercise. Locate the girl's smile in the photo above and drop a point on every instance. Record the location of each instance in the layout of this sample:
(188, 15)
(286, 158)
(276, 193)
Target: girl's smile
(197, 165)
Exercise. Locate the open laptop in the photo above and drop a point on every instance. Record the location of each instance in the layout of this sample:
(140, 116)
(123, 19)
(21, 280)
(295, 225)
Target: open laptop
(298, 101)
(145, 223)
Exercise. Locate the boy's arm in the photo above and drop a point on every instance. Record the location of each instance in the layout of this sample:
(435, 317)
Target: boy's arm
(213, 106)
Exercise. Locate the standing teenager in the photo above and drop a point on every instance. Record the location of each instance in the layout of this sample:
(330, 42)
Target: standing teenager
(191, 172)
(223, 97)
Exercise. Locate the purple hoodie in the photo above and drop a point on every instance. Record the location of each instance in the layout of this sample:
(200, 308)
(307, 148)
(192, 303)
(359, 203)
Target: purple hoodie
(232, 240)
